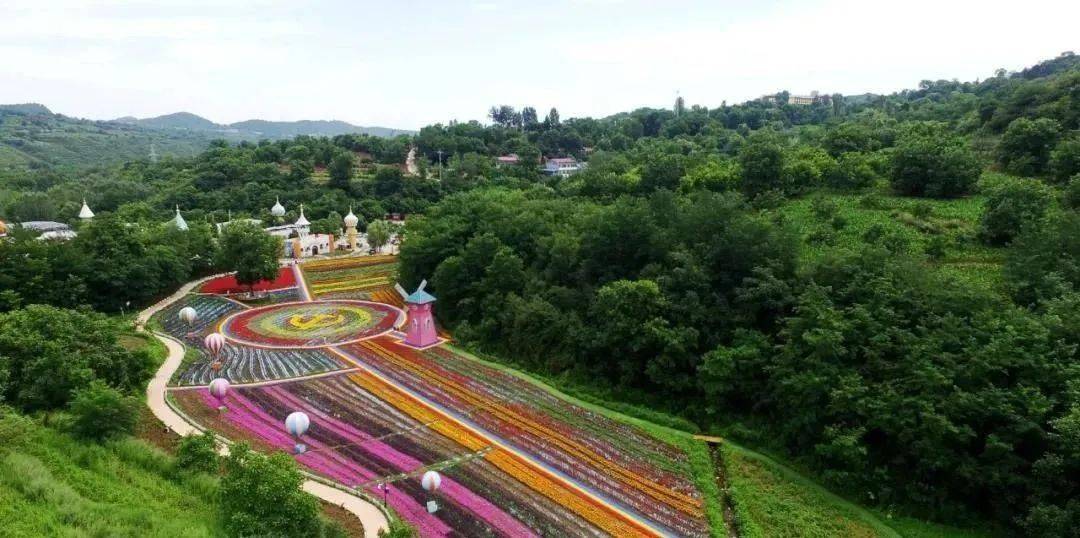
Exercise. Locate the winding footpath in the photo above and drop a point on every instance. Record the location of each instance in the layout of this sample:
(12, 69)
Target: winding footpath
(372, 518)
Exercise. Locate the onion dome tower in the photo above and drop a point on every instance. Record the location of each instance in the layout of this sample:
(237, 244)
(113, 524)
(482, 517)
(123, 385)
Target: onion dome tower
(350, 228)
(179, 221)
(302, 224)
(85, 213)
(278, 210)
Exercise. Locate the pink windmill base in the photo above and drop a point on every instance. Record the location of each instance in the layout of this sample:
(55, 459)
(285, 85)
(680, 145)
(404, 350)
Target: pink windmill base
(420, 326)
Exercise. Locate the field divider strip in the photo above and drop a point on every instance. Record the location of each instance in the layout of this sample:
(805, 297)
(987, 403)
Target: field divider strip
(269, 382)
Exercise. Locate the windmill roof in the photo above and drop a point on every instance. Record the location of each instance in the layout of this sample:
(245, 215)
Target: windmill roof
(420, 297)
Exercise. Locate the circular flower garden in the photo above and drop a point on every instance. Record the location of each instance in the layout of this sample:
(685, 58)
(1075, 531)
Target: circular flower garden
(311, 325)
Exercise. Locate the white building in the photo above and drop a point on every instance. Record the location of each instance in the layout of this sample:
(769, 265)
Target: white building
(562, 166)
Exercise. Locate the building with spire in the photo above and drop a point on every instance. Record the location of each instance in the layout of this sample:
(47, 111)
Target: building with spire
(351, 221)
(178, 221)
(85, 213)
(297, 238)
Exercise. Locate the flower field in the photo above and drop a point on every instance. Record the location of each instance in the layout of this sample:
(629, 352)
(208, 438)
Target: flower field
(351, 278)
(623, 463)
(362, 431)
(226, 285)
(210, 309)
(245, 364)
(310, 324)
(516, 459)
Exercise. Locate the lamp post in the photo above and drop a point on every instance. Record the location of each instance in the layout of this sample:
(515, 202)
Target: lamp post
(385, 489)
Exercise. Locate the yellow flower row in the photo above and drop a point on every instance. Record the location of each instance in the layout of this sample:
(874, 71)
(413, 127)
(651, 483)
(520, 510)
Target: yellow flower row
(351, 285)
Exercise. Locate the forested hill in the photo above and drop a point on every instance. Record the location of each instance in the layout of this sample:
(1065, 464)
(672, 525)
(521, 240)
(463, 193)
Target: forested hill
(32, 136)
(257, 129)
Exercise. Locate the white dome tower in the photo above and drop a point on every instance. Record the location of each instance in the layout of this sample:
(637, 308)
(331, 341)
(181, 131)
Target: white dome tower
(302, 224)
(278, 210)
(179, 221)
(350, 228)
(85, 213)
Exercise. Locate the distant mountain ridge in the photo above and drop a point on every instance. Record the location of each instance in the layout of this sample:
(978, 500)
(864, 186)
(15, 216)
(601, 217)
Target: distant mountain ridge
(260, 128)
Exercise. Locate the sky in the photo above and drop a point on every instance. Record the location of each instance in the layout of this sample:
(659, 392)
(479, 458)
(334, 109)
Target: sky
(408, 64)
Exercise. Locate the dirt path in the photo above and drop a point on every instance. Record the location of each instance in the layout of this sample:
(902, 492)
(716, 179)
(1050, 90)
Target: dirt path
(370, 515)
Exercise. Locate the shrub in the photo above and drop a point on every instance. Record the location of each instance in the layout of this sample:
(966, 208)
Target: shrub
(198, 453)
(1025, 147)
(1010, 207)
(930, 161)
(398, 529)
(1065, 159)
(853, 171)
(261, 496)
(1070, 198)
(937, 247)
(100, 412)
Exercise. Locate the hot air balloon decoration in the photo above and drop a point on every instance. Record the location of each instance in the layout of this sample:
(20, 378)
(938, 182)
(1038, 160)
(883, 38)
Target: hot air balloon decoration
(218, 388)
(214, 343)
(431, 482)
(189, 315)
(297, 424)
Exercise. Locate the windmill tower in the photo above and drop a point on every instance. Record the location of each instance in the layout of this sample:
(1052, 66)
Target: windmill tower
(420, 332)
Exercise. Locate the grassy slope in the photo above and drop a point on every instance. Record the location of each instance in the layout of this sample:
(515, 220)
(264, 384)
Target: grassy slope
(956, 220)
(53, 485)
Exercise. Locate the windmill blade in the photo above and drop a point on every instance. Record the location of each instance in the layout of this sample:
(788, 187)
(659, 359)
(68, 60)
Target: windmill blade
(401, 290)
(423, 284)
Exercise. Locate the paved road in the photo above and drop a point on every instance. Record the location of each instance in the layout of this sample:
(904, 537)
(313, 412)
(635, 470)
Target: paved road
(370, 516)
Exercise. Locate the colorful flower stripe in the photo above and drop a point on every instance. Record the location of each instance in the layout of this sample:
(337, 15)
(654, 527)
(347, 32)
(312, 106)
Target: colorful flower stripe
(538, 479)
(325, 462)
(246, 364)
(209, 307)
(520, 423)
(669, 499)
(309, 325)
(350, 404)
(483, 508)
(228, 284)
(354, 261)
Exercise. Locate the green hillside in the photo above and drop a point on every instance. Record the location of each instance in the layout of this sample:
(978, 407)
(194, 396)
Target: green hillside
(35, 137)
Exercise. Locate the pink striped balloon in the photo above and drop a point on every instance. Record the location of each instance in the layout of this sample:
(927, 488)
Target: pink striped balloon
(214, 342)
(219, 387)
